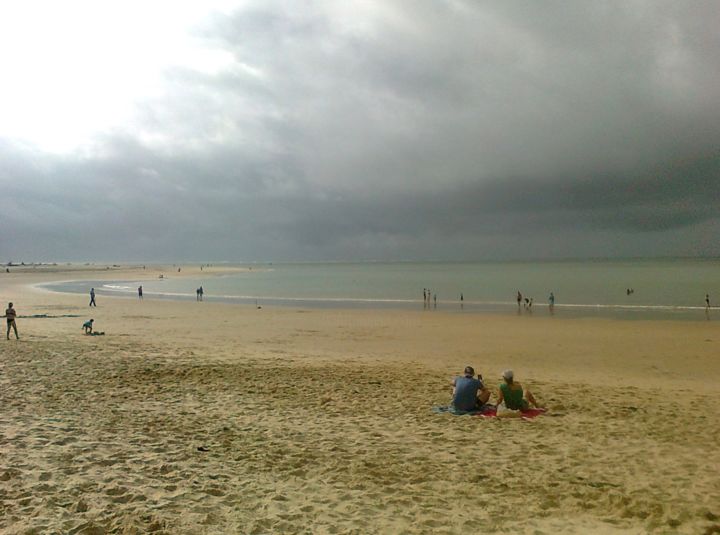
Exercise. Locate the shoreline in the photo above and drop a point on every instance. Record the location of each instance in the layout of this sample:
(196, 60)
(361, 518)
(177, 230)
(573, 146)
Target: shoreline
(623, 312)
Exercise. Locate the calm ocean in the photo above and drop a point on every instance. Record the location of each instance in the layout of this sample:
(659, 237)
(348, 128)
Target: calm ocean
(668, 288)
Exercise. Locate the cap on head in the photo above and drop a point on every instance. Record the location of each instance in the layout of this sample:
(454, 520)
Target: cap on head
(469, 370)
(508, 375)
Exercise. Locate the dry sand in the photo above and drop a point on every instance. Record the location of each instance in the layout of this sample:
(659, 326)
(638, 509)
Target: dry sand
(319, 421)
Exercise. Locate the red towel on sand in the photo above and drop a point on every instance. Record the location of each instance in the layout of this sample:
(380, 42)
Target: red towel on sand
(491, 412)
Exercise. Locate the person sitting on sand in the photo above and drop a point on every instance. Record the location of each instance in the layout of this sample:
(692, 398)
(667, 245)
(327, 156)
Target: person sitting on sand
(88, 326)
(10, 314)
(512, 396)
(469, 393)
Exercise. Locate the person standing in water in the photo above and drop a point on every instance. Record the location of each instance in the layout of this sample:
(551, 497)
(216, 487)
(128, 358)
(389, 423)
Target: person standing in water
(519, 298)
(707, 300)
(140, 292)
(92, 298)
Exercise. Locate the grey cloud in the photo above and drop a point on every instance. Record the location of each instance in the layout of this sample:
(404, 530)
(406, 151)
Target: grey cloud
(452, 128)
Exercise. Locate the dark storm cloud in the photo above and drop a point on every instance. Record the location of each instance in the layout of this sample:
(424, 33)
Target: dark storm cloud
(452, 129)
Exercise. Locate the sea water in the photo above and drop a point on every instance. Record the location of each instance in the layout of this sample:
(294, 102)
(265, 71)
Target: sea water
(667, 287)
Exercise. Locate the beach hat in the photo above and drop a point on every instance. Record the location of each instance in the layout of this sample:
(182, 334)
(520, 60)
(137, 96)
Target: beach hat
(508, 375)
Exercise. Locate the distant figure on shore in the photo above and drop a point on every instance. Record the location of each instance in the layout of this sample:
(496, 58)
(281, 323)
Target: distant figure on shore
(469, 393)
(10, 315)
(462, 301)
(530, 303)
(92, 298)
(140, 292)
(551, 299)
(200, 293)
(519, 299)
(707, 300)
(88, 326)
(424, 296)
(512, 396)
(435, 300)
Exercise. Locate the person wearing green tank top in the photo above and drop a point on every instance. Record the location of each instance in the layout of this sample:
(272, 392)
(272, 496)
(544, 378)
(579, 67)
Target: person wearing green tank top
(512, 396)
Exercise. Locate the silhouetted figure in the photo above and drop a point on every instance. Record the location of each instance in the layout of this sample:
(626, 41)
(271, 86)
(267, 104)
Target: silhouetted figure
(140, 292)
(92, 298)
(707, 300)
(10, 315)
(519, 299)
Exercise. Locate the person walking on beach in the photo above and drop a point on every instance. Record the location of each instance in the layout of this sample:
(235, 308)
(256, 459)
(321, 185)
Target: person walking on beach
(140, 292)
(10, 315)
(92, 298)
(551, 299)
(519, 298)
(707, 300)
(469, 393)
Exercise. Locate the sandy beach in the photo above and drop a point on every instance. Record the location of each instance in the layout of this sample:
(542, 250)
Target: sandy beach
(207, 418)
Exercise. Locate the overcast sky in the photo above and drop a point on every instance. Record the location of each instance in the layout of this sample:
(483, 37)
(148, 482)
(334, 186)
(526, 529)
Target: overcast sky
(341, 130)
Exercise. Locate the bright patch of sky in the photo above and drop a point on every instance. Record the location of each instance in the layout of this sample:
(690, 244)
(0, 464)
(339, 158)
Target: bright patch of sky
(74, 68)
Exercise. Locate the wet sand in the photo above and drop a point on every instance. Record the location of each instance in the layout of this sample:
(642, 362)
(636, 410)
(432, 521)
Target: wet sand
(212, 418)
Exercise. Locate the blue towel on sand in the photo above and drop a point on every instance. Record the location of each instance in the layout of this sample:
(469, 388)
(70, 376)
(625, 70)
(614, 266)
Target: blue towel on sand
(449, 409)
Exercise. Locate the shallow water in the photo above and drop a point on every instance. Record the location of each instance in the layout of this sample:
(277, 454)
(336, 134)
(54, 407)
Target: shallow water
(668, 288)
